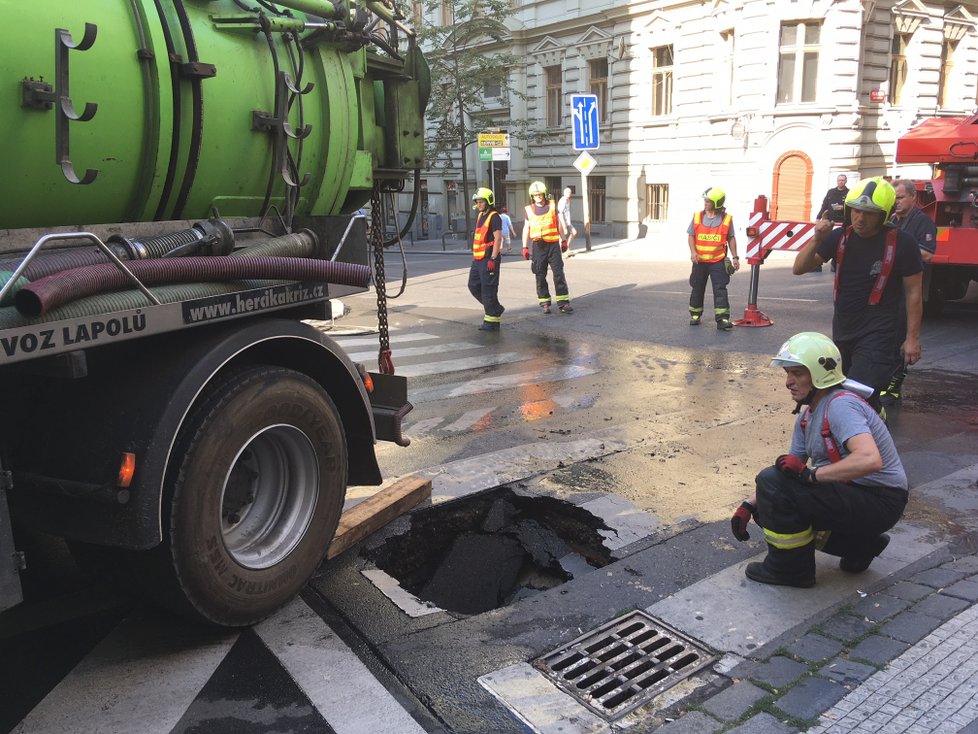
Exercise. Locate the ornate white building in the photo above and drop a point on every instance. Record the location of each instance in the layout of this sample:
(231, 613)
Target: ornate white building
(773, 97)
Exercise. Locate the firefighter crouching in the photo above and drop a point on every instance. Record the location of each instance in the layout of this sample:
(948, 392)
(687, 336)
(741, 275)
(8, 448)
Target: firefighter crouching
(543, 239)
(486, 258)
(855, 490)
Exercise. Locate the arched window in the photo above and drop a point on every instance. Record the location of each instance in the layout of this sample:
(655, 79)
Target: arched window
(792, 190)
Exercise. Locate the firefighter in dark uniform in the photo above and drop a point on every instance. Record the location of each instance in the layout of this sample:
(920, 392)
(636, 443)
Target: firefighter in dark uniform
(855, 490)
(878, 303)
(486, 259)
(710, 233)
(543, 241)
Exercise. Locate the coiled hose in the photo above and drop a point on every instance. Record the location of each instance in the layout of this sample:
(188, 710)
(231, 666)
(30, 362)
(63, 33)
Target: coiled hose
(47, 293)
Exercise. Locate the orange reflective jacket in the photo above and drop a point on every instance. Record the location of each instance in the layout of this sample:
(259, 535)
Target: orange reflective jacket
(483, 239)
(543, 226)
(711, 242)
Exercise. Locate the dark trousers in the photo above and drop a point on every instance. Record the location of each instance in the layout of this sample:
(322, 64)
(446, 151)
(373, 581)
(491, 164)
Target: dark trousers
(847, 518)
(716, 273)
(484, 287)
(544, 254)
(873, 358)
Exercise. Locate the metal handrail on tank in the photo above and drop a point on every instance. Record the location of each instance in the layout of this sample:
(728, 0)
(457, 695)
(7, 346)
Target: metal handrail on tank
(70, 236)
(346, 232)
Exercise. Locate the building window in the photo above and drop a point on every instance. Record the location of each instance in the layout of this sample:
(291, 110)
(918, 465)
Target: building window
(725, 80)
(657, 198)
(898, 66)
(798, 72)
(598, 84)
(554, 188)
(493, 90)
(554, 95)
(662, 80)
(596, 198)
(948, 47)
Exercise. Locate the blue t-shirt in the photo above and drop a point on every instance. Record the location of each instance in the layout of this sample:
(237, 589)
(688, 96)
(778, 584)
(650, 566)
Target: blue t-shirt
(849, 415)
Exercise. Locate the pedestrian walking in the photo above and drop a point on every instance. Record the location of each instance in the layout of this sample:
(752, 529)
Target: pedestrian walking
(486, 259)
(855, 490)
(509, 232)
(542, 242)
(908, 217)
(564, 214)
(711, 233)
(878, 306)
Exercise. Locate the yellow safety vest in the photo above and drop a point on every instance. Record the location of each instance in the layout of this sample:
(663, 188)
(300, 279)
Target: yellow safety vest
(543, 226)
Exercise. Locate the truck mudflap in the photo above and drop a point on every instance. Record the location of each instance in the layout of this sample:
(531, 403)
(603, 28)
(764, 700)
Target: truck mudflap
(389, 405)
(11, 562)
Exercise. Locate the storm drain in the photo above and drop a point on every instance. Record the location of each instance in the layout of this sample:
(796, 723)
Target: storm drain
(624, 664)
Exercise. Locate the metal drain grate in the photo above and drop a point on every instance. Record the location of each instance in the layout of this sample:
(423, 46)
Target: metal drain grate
(624, 664)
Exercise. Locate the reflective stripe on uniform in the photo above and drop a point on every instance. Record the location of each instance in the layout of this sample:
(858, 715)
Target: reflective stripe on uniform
(789, 541)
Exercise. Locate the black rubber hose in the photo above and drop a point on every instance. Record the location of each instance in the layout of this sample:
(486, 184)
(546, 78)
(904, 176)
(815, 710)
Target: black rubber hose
(41, 296)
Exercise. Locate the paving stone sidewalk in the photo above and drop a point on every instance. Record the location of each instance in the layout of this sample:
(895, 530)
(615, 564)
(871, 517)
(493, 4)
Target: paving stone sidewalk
(901, 659)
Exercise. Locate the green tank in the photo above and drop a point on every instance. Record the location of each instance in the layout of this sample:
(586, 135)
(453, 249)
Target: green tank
(150, 110)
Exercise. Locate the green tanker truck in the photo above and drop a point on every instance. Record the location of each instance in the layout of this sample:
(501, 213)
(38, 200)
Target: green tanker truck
(181, 192)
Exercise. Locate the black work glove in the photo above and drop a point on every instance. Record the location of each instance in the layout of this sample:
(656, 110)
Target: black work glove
(794, 467)
(741, 518)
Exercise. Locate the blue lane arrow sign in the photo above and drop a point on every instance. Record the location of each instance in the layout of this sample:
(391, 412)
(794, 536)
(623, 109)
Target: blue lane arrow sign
(584, 120)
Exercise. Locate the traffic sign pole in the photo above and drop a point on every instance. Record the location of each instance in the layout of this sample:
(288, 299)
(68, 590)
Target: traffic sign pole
(587, 212)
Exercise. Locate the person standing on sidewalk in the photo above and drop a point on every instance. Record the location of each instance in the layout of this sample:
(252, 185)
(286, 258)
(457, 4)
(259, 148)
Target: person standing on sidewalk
(878, 304)
(833, 206)
(486, 259)
(564, 213)
(543, 234)
(910, 219)
(710, 234)
(855, 491)
(509, 231)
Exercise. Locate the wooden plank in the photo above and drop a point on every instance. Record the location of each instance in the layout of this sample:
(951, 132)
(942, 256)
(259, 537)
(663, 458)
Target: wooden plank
(375, 512)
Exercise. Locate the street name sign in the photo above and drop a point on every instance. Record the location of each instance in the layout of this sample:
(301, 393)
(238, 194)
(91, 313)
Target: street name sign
(584, 121)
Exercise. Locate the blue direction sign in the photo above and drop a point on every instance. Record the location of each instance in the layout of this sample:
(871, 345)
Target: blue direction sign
(584, 119)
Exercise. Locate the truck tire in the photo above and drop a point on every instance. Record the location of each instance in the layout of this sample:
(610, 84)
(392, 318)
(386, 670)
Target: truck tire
(253, 497)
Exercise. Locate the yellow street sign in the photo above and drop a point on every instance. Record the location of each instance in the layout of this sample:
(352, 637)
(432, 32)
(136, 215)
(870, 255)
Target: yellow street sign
(585, 162)
(493, 140)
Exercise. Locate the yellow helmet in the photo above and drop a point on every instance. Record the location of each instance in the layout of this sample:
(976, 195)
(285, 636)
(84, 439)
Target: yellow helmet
(817, 353)
(872, 195)
(484, 193)
(538, 187)
(716, 195)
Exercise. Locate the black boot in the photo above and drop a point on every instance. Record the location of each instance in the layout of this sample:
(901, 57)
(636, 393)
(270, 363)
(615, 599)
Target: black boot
(781, 567)
(859, 563)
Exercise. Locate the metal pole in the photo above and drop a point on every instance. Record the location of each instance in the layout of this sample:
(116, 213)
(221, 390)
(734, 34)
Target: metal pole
(587, 212)
(492, 176)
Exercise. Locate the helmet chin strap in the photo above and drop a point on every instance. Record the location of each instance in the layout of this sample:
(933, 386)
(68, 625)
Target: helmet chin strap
(804, 401)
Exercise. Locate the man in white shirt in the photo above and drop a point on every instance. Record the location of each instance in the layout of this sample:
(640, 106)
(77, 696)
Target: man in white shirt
(563, 212)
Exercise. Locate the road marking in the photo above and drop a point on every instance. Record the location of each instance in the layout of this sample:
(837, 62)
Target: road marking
(419, 351)
(458, 365)
(403, 599)
(331, 675)
(493, 383)
(468, 419)
(396, 338)
(142, 677)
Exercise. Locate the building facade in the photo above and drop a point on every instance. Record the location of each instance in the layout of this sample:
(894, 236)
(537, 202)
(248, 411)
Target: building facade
(773, 97)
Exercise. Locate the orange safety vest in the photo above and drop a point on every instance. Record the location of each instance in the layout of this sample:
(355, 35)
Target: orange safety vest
(711, 242)
(543, 226)
(482, 239)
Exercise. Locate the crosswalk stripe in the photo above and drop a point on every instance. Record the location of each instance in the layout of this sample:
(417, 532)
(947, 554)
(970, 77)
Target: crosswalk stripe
(457, 365)
(469, 419)
(142, 677)
(331, 675)
(497, 382)
(418, 351)
(396, 338)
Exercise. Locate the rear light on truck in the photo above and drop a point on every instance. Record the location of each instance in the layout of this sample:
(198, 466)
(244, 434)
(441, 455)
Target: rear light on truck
(127, 467)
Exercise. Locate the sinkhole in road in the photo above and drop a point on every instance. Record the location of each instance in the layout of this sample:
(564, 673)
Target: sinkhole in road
(492, 549)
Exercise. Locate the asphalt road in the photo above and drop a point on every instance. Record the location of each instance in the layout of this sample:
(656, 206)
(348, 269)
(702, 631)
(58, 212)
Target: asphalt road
(619, 412)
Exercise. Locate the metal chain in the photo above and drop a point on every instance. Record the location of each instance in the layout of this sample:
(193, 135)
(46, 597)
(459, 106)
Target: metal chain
(384, 361)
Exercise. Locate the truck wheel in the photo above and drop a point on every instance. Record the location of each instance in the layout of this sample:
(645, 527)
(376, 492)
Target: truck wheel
(255, 494)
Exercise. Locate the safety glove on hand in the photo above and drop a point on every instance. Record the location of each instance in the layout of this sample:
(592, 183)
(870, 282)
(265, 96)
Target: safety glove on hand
(794, 467)
(741, 518)
(491, 266)
(563, 245)
(526, 253)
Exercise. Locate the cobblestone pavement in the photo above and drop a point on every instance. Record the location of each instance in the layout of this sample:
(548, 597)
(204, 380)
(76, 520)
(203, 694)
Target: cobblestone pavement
(902, 659)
